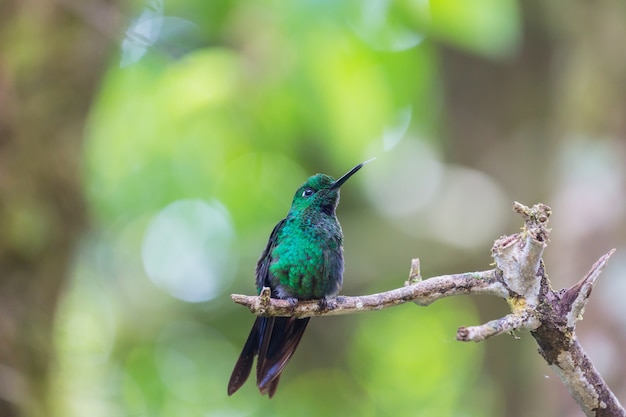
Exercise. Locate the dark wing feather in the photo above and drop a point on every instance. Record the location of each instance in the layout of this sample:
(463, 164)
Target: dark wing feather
(280, 336)
(260, 337)
(260, 330)
(273, 339)
(263, 265)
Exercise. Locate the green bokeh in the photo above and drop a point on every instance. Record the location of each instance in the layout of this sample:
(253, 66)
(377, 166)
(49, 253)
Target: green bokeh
(410, 363)
(488, 27)
(279, 91)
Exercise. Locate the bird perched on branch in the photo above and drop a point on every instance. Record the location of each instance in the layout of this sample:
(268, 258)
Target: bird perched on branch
(303, 260)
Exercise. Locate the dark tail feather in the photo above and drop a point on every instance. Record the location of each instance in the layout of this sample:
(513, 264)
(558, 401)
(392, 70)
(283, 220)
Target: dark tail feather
(278, 342)
(273, 339)
(273, 385)
(250, 350)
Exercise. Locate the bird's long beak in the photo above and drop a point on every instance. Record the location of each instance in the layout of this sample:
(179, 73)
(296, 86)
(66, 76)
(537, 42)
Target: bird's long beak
(348, 174)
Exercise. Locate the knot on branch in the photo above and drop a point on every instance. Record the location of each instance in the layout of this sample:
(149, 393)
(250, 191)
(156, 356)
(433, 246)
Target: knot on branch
(535, 218)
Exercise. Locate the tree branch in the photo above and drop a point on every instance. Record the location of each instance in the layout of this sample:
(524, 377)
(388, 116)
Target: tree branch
(520, 278)
(422, 293)
(506, 324)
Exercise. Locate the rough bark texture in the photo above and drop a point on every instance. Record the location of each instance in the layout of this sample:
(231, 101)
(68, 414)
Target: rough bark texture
(560, 348)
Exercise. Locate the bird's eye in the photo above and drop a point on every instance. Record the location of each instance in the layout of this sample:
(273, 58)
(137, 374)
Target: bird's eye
(308, 192)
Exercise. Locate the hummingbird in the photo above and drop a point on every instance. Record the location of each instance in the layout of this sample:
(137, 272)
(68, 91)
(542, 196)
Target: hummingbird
(303, 260)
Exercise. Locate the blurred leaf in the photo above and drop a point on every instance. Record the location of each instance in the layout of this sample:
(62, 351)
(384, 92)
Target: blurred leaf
(142, 389)
(165, 132)
(409, 362)
(325, 392)
(286, 90)
(487, 27)
(259, 187)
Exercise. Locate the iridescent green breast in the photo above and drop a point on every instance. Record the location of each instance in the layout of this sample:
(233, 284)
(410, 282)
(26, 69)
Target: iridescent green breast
(307, 263)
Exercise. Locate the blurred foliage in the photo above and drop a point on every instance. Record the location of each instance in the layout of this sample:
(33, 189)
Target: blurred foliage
(279, 91)
(211, 113)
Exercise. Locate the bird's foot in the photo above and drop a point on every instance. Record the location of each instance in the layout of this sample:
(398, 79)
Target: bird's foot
(326, 304)
(293, 303)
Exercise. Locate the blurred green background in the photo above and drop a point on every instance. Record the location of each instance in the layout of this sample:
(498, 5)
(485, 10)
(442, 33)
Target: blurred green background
(148, 148)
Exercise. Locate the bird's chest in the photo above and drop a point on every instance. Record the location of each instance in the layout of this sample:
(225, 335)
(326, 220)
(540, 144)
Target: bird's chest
(308, 261)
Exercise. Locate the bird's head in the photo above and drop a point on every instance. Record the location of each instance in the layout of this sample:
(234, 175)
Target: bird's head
(321, 192)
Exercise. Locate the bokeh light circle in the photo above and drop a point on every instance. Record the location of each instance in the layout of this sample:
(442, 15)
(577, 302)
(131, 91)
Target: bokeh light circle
(188, 250)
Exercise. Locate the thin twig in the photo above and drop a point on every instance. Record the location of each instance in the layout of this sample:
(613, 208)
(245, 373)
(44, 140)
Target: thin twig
(507, 324)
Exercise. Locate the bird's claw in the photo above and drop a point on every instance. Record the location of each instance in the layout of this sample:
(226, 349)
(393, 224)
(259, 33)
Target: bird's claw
(293, 303)
(325, 304)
